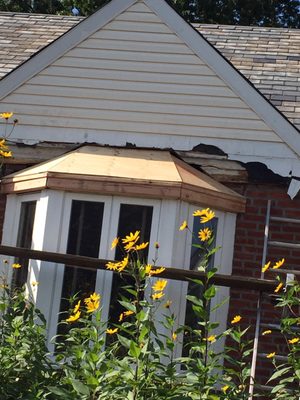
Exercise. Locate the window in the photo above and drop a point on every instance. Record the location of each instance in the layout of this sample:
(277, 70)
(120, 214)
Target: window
(196, 260)
(84, 240)
(132, 218)
(24, 239)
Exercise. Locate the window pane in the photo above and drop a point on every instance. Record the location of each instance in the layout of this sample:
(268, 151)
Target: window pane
(132, 218)
(84, 240)
(196, 260)
(24, 239)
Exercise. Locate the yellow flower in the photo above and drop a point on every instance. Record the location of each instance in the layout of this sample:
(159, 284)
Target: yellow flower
(91, 306)
(16, 265)
(183, 226)
(279, 264)
(168, 304)
(266, 267)
(113, 266)
(114, 243)
(294, 340)
(174, 336)
(92, 303)
(204, 234)
(156, 245)
(130, 246)
(127, 313)
(157, 271)
(5, 261)
(266, 332)
(159, 285)
(225, 388)
(209, 215)
(200, 213)
(5, 154)
(3, 144)
(211, 338)
(278, 287)
(141, 246)
(236, 319)
(76, 308)
(6, 115)
(111, 331)
(271, 355)
(206, 215)
(132, 237)
(74, 317)
(123, 264)
(148, 269)
(157, 296)
(34, 283)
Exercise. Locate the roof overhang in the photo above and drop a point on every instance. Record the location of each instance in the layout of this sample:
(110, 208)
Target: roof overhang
(125, 172)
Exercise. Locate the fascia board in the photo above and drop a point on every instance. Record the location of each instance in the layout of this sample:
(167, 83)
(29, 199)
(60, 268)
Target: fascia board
(239, 84)
(61, 45)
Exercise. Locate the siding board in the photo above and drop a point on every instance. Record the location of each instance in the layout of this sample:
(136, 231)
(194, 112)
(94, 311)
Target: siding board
(134, 80)
(138, 66)
(129, 26)
(151, 57)
(134, 106)
(77, 82)
(79, 122)
(137, 36)
(134, 76)
(137, 17)
(181, 100)
(126, 45)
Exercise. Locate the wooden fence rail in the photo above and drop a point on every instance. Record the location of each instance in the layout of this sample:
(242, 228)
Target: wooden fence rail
(238, 282)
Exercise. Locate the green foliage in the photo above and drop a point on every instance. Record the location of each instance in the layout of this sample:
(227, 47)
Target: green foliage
(280, 13)
(136, 358)
(25, 367)
(286, 376)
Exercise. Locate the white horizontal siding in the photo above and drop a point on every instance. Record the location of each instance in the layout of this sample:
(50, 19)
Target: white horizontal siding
(134, 78)
(86, 54)
(60, 92)
(143, 106)
(127, 45)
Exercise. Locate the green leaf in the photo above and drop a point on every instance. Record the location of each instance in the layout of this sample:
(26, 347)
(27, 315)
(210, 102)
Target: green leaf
(124, 341)
(59, 392)
(128, 306)
(80, 387)
(210, 293)
(134, 350)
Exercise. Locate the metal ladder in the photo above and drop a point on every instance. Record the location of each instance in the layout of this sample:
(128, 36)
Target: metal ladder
(289, 276)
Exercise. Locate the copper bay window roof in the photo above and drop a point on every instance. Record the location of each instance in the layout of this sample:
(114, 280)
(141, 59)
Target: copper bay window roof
(127, 172)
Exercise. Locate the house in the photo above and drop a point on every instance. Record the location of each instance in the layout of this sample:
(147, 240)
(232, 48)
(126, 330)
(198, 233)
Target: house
(138, 118)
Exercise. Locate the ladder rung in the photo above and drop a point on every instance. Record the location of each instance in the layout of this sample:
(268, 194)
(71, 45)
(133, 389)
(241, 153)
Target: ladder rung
(284, 244)
(278, 357)
(276, 327)
(268, 388)
(282, 219)
(285, 271)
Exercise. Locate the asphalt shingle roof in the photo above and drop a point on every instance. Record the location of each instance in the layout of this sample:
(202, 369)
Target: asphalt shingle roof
(268, 57)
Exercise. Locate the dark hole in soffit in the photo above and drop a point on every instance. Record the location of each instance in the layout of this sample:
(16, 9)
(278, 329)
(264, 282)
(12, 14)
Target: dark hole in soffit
(260, 173)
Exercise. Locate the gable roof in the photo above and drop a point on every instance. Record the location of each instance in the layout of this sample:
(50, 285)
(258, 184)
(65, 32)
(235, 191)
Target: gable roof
(186, 33)
(268, 57)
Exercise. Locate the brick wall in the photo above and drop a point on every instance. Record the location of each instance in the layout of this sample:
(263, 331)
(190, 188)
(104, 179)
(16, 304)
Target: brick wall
(248, 257)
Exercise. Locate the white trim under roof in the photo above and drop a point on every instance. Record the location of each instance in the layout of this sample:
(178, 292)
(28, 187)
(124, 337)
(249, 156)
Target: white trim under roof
(240, 85)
